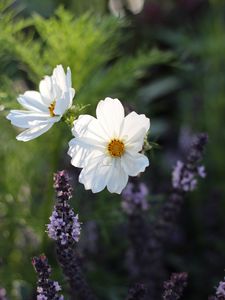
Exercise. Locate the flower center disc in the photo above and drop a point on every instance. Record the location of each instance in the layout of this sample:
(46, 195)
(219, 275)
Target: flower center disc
(116, 148)
(51, 108)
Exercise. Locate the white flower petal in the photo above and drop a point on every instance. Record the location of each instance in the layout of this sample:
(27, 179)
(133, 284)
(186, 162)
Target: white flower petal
(95, 178)
(46, 90)
(72, 94)
(80, 150)
(21, 118)
(110, 113)
(62, 104)
(68, 77)
(69, 84)
(133, 122)
(32, 100)
(80, 126)
(117, 178)
(116, 8)
(42, 122)
(133, 164)
(89, 127)
(33, 132)
(135, 143)
(65, 92)
(135, 127)
(135, 6)
(60, 78)
(87, 139)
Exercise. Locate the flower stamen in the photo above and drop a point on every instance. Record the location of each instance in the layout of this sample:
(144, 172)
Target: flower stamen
(51, 108)
(116, 148)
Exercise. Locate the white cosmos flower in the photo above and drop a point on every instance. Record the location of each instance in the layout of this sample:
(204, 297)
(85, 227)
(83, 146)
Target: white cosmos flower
(43, 108)
(117, 6)
(107, 147)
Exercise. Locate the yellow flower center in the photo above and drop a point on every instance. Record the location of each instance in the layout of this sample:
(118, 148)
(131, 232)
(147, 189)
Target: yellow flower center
(116, 148)
(51, 108)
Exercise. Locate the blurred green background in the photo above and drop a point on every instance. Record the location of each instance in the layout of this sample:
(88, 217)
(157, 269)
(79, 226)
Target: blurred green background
(163, 58)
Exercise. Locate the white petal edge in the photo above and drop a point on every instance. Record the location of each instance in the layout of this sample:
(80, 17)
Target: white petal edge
(95, 178)
(81, 149)
(110, 113)
(135, 143)
(62, 104)
(134, 122)
(60, 78)
(22, 118)
(117, 178)
(69, 86)
(134, 130)
(32, 101)
(50, 120)
(46, 90)
(33, 132)
(68, 77)
(133, 164)
(89, 127)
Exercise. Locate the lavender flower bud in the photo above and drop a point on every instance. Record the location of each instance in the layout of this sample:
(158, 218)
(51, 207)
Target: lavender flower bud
(197, 148)
(173, 288)
(62, 187)
(134, 197)
(177, 173)
(184, 179)
(64, 225)
(201, 171)
(47, 289)
(138, 292)
(184, 176)
(220, 291)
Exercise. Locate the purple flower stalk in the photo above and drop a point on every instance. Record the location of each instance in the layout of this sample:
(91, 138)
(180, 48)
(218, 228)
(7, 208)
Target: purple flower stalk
(134, 197)
(184, 180)
(64, 228)
(147, 240)
(185, 175)
(47, 289)
(173, 288)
